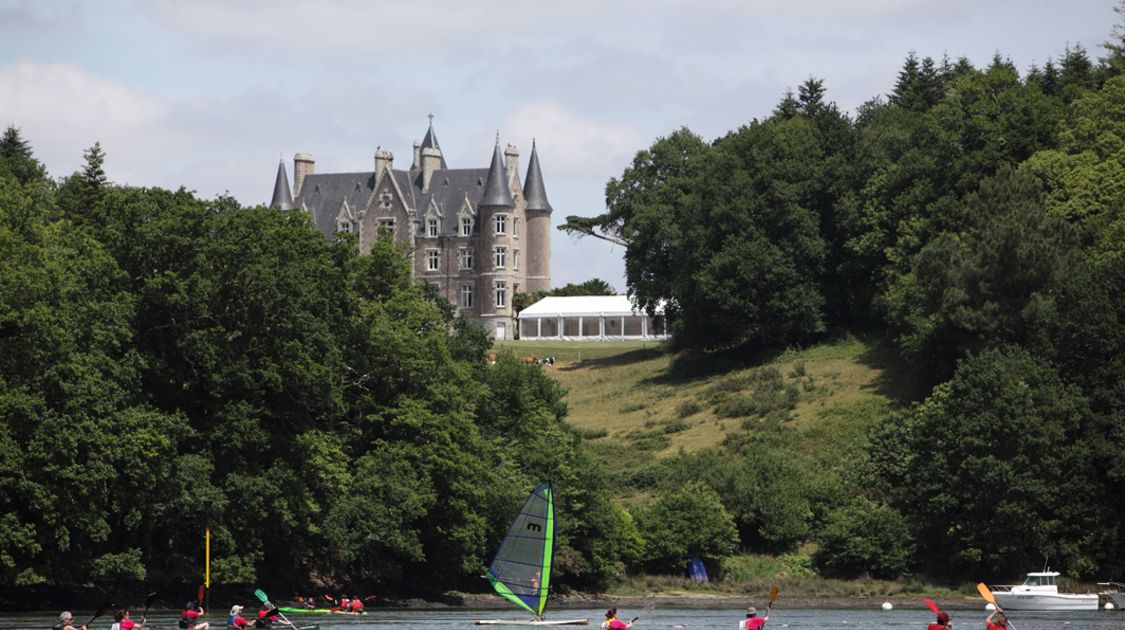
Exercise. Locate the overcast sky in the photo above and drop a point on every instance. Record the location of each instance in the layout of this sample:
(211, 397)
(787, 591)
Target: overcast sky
(209, 93)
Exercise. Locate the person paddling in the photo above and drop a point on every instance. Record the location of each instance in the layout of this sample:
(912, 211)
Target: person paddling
(752, 620)
(235, 621)
(121, 621)
(66, 622)
(267, 614)
(613, 623)
(942, 623)
(189, 619)
(357, 605)
(1001, 622)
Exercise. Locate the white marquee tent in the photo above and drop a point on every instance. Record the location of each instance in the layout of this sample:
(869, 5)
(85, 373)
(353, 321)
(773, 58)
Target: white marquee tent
(589, 317)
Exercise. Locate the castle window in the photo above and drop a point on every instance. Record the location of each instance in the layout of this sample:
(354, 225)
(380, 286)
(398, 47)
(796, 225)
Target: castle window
(501, 294)
(466, 296)
(433, 260)
(431, 227)
(500, 257)
(466, 226)
(385, 201)
(466, 256)
(387, 225)
(501, 224)
(515, 259)
(515, 228)
(345, 226)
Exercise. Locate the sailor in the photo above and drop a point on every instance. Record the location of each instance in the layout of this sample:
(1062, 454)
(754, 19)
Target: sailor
(752, 620)
(66, 622)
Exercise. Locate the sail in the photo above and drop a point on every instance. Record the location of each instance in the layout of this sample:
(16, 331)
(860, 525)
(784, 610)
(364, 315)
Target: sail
(521, 569)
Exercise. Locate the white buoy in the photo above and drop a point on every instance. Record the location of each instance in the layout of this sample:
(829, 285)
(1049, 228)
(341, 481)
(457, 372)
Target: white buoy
(1109, 606)
(990, 606)
(888, 606)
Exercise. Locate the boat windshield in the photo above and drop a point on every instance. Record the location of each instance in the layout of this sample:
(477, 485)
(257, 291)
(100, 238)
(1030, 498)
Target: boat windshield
(1040, 580)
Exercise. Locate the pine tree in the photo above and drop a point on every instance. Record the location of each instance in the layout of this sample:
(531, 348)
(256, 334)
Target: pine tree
(789, 106)
(811, 96)
(1116, 45)
(16, 158)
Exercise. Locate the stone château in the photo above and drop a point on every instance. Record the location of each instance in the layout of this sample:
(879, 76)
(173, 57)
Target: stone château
(476, 233)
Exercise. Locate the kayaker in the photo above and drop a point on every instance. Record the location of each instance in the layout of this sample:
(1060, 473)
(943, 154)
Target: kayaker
(1001, 622)
(613, 623)
(121, 621)
(345, 603)
(267, 614)
(236, 621)
(752, 620)
(942, 623)
(189, 619)
(357, 605)
(66, 622)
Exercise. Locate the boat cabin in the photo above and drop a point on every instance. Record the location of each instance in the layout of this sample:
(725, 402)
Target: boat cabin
(1041, 579)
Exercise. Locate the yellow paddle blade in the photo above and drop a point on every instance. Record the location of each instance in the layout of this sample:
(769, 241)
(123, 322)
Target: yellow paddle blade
(987, 594)
(773, 594)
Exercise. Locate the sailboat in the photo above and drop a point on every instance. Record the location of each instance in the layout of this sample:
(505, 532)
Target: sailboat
(521, 570)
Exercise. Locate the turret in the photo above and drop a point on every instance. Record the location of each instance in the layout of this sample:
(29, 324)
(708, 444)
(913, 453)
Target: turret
(538, 227)
(496, 200)
(282, 198)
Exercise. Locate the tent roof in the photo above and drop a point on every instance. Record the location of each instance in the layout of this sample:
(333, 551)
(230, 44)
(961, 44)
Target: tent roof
(582, 305)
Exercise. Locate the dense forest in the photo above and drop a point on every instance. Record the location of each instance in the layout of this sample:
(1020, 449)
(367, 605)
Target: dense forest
(975, 217)
(169, 363)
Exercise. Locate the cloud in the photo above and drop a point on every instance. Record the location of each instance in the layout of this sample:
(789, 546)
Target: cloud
(569, 142)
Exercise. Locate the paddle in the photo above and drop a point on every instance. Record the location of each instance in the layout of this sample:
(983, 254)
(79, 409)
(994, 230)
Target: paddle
(101, 610)
(984, 591)
(773, 597)
(646, 610)
(200, 594)
(369, 598)
(261, 595)
(932, 606)
(148, 604)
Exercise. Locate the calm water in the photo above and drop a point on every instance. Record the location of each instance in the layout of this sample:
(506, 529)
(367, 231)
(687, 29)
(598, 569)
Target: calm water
(660, 619)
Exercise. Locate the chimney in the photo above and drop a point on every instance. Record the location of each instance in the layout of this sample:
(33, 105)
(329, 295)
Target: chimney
(512, 161)
(303, 165)
(384, 160)
(431, 161)
(417, 157)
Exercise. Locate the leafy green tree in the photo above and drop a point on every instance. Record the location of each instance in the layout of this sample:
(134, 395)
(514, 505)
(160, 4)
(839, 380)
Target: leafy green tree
(864, 539)
(17, 160)
(685, 523)
(1004, 441)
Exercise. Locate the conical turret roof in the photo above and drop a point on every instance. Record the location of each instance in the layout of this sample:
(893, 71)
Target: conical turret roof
(282, 196)
(496, 191)
(533, 189)
(430, 141)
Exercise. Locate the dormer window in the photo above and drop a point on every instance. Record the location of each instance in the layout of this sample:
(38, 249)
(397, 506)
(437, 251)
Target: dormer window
(387, 225)
(501, 224)
(345, 226)
(431, 227)
(466, 226)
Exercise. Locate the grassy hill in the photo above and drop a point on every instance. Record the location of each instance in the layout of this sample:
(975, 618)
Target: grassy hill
(634, 401)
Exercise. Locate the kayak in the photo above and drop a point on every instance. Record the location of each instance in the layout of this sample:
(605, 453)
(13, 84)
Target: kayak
(318, 611)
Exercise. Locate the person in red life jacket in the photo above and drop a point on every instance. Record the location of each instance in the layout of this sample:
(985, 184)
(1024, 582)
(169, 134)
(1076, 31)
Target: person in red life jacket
(345, 603)
(189, 619)
(357, 605)
(267, 614)
(752, 620)
(235, 621)
(1001, 622)
(66, 622)
(613, 623)
(943, 622)
(123, 622)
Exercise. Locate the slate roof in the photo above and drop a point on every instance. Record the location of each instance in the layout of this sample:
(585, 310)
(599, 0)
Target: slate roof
(282, 198)
(323, 194)
(430, 142)
(533, 190)
(496, 191)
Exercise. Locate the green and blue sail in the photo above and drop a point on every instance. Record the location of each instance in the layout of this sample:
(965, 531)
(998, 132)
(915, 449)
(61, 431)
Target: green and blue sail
(521, 569)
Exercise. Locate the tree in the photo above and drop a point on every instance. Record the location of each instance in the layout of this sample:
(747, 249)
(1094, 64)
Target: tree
(686, 523)
(1005, 441)
(864, 539)
(17, 160)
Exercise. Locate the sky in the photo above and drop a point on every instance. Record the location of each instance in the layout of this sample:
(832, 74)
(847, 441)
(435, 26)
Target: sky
(209, 94)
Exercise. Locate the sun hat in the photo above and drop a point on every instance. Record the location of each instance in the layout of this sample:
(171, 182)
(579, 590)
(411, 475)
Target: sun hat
(751, 611)
(234, 610)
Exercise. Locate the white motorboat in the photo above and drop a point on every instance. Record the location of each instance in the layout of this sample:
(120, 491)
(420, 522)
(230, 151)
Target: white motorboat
(1039, 592)
(1114, 593)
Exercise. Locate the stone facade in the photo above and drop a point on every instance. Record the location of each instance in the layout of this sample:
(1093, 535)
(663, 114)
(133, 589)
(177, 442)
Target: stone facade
(478, 234)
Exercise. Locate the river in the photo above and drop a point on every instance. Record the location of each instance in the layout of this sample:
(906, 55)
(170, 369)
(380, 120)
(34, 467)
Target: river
(660, 619)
